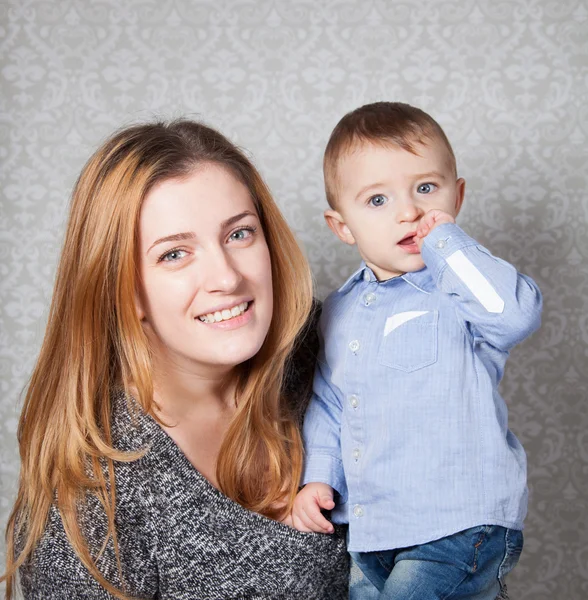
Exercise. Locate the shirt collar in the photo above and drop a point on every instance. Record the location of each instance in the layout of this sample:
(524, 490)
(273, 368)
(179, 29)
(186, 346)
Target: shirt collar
(422, 279)
(364, 272)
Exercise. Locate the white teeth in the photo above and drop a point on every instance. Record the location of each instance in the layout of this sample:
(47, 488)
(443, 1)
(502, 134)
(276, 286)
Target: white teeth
(224, 315)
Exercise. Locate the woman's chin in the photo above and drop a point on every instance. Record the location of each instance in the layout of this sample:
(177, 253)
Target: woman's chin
(235, 354)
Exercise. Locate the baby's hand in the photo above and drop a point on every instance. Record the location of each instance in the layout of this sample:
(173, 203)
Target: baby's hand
(429, 221)
(306, 513)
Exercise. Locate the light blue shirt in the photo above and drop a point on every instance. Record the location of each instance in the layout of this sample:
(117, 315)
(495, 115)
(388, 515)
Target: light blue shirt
(406, 421)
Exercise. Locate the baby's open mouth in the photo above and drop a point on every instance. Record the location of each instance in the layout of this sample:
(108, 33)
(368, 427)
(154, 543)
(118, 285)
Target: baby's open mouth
(226, 314)
(407, 240)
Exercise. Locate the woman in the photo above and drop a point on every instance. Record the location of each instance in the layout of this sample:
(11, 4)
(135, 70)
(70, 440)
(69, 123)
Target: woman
(159, 452)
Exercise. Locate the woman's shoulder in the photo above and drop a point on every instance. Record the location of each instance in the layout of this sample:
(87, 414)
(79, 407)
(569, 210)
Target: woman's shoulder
(130, 427)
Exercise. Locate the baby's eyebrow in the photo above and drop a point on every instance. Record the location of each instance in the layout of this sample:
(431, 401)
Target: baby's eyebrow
(435, 174)
(367, 188)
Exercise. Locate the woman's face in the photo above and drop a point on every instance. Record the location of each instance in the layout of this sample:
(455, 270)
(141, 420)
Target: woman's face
(205, 292)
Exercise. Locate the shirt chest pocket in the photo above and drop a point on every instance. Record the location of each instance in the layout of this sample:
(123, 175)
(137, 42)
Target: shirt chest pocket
(409, 340)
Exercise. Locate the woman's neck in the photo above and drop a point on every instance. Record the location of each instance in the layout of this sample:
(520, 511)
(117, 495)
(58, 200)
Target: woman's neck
(180, 389)
(196, 407)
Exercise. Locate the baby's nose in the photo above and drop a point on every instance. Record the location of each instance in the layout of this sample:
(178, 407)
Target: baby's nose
(409, 211)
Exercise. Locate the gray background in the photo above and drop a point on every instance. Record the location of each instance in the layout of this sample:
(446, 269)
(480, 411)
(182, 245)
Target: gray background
(508, 79)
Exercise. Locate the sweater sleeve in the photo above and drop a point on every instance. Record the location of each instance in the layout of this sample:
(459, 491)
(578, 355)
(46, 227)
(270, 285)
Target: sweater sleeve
(54, 571)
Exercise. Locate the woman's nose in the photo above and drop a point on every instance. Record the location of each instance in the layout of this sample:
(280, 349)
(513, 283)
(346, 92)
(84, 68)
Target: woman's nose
(222, 275)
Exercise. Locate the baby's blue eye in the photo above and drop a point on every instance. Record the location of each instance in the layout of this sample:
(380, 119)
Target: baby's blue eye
(378, 200)
(426, 188)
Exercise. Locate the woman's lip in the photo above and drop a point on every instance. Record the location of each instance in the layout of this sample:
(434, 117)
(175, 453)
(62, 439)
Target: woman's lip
(226, 306)
(234, 322)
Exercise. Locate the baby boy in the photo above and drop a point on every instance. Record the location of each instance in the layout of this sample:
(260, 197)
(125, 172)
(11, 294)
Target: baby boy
(406, 435)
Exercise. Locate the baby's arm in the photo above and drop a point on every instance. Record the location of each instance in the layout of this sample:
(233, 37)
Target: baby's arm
(306, 514)
(322, 433)
(502, 306)
(323, 467)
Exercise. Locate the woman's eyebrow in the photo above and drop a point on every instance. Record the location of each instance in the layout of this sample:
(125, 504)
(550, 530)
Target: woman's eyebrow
(231, 220)
(190, 235)
(175, 237)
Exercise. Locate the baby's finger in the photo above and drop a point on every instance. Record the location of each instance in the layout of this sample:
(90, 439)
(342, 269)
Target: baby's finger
(314, 519)
(429, 219)
(307, 524)
(299, 524)
(422, 230)
(326, 501)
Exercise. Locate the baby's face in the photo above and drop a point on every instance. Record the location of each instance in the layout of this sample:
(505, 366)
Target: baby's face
(383, 192)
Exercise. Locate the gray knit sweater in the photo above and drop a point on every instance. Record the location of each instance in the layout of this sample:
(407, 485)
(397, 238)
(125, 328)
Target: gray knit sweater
(182, 539)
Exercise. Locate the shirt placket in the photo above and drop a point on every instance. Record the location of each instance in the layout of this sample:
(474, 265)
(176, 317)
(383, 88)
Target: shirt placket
(358, 357)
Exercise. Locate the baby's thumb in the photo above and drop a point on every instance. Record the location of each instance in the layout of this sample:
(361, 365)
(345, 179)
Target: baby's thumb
(326, 501)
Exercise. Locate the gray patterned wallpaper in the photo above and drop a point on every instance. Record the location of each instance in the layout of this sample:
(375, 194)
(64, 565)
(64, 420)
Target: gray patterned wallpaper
(508, 79)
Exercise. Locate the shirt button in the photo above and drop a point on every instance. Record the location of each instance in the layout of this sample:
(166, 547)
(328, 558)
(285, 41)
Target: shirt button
(354, 401)
(441, 244)
(356, 454)
(354, 346)
(369, 298)
(358, 510)
(366, 275)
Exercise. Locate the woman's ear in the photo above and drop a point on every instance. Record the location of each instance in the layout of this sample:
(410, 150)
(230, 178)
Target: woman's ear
(139, 307)
(337, 225)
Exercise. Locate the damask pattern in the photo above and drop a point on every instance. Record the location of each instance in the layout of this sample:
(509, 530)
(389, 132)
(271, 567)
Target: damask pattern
(508, 80)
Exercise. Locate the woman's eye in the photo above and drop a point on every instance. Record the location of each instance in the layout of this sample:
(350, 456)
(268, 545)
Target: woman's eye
(426, 188)
(242, 234)
(172, 255)
(378, 200)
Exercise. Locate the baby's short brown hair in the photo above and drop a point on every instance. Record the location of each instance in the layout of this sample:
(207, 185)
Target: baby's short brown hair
(380, 123)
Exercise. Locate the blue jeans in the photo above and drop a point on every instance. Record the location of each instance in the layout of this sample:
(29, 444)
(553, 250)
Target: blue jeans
(471, 564)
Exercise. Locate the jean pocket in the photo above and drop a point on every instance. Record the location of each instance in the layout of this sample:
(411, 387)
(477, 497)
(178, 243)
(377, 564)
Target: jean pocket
(410, 341)
(513, 550)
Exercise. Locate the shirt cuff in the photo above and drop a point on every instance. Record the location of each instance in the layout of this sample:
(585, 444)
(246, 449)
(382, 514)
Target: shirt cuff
(441, 243)
(323, 468)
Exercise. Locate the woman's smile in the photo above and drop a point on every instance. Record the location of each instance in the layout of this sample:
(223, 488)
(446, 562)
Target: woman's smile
(229, 318)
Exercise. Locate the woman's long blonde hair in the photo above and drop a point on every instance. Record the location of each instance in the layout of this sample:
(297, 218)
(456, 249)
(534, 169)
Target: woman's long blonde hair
(94, 344)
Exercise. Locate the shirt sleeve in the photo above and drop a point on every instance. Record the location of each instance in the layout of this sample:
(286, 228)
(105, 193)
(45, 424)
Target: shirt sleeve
(501, 306)
(322, 432)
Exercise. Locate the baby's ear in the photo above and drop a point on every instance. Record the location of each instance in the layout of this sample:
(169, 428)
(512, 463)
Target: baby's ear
(338, 227)
(459, 194)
